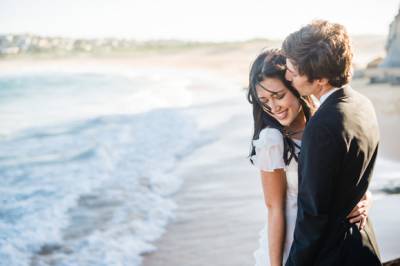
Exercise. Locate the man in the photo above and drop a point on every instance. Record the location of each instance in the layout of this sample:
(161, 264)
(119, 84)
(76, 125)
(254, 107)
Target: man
(338, 152)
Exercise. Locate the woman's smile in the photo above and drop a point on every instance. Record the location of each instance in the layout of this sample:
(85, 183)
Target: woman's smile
(281, 115)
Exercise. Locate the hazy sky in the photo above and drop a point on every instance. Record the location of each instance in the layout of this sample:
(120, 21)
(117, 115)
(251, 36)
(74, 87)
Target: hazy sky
(216, 20)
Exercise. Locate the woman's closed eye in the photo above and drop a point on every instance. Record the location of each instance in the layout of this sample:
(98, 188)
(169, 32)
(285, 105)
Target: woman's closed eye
(263, 100)
(279, 96)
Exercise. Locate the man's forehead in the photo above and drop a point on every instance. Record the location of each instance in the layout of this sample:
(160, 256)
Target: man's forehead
(290, 65)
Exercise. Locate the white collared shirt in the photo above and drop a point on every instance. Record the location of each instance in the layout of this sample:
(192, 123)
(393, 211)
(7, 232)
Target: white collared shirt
(326, 95)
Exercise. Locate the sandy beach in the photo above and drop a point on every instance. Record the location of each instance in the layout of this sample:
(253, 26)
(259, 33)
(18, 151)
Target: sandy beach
(220, 204)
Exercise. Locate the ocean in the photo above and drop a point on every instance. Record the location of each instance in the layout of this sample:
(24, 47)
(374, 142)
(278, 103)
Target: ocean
(87, 161)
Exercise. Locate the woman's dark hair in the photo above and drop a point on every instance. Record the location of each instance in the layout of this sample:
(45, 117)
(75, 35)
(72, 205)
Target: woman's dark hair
(272, 64)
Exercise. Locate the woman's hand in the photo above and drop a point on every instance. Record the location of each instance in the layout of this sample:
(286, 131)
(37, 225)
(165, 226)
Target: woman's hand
(359, 213)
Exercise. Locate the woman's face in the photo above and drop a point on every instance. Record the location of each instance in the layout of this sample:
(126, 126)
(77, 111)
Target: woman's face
(283, 105)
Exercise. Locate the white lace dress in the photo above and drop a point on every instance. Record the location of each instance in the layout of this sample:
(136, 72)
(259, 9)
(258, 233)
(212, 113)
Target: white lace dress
(269, 156)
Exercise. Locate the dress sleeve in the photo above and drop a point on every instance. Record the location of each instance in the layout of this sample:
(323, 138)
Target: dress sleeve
(269, 150)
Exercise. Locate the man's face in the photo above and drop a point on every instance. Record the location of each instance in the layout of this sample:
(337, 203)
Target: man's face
(300, 82)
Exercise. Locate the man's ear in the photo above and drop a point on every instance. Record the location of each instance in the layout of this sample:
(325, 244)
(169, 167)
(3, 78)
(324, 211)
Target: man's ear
(323, 82)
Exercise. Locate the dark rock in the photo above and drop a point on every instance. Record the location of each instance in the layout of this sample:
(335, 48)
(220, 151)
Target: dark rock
(395, 262)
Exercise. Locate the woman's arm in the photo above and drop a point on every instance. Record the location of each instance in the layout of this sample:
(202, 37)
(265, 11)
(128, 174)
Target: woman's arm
(274, 188)
(359, 213)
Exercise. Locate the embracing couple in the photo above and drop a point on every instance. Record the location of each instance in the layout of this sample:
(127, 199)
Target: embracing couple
(316, 157)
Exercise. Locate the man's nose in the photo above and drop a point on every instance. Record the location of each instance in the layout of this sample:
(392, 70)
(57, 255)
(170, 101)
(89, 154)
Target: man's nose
(288, 75)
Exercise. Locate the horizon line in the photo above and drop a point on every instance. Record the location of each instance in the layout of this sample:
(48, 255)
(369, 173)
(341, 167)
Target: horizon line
(189, 40)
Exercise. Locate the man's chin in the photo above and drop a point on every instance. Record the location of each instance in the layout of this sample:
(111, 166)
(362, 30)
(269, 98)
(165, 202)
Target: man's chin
(305, 93)
(302, 92)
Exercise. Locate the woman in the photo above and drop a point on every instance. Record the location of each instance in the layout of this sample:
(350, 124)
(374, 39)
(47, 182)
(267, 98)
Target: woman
(280, 116)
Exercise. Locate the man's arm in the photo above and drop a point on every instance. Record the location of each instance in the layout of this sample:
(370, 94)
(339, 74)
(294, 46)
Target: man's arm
(319, 159)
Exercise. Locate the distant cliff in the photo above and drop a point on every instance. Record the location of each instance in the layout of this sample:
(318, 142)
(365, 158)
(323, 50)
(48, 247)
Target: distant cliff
(387, 70)
(392, 58)
(28, 44)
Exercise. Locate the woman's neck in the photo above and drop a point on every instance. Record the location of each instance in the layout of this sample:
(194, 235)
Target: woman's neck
(296, 128)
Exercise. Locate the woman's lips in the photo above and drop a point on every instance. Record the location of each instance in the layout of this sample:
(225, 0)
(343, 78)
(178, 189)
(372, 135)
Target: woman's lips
(281, 115)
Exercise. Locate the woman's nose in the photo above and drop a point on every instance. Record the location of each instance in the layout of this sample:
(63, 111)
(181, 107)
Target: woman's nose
(274, 107)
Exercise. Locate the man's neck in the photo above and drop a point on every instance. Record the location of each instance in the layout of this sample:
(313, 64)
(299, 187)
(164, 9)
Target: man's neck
(323, 90)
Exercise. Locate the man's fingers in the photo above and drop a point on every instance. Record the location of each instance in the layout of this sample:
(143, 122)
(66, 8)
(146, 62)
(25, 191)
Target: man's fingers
(363, 223)
(357, 212)
(355, 220)
(358, 218)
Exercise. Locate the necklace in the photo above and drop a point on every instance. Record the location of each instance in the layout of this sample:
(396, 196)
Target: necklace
(291, 133)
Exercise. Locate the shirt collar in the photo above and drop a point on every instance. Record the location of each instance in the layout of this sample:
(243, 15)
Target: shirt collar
(327, 94)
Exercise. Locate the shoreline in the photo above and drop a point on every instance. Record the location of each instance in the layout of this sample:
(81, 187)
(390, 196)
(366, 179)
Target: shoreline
(220, 204)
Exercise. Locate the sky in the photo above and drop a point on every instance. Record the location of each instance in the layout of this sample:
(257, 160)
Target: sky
(201, 20)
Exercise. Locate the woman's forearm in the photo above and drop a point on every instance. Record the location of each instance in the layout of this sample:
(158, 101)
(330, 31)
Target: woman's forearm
(276, 235)
(274, 187)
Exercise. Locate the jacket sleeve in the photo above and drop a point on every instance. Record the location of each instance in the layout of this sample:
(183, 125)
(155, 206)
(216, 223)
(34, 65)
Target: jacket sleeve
(319, 158)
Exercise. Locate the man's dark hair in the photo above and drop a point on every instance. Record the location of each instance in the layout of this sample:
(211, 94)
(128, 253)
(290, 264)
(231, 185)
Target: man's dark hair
(321, 50)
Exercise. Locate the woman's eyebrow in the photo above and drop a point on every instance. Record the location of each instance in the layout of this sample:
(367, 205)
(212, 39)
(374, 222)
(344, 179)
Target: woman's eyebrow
(272, 92)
